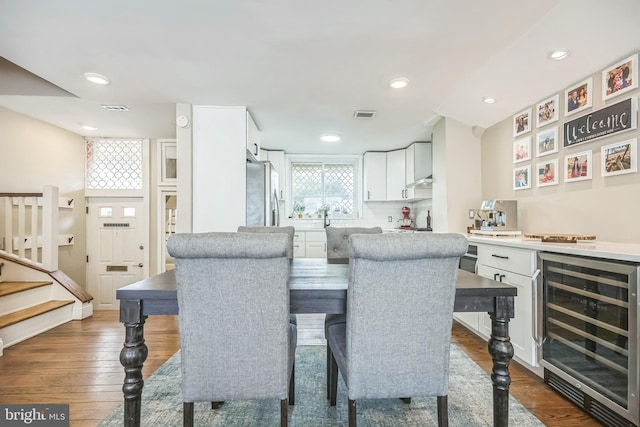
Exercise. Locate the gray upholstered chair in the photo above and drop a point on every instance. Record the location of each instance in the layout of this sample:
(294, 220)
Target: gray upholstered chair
(236, 339)
(338, 253)
(400, 300)
(289, 231)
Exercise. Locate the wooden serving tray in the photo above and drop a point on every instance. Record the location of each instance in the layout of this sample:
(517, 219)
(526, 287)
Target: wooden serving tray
(560, 238)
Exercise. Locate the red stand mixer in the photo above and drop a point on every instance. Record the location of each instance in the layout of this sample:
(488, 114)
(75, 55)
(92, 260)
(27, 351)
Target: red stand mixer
(406, 218)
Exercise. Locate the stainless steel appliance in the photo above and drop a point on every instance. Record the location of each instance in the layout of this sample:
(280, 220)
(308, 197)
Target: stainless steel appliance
(262, 195)
(588, 327)
(496, 215)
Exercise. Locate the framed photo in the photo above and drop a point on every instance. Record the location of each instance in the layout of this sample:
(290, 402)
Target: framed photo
(619, 158)
(522, 178)
(620, 77)
(578, 97)
(547, 142)
(522, 122)
(547, 111)
(522, 150)
(547, 173)
(577, 167)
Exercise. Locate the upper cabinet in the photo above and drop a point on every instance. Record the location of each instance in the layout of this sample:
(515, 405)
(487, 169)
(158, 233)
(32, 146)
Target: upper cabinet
(419, 164)
(253, 137)
(398, 175)
(396, 189)
(276, 157)
(375, 176)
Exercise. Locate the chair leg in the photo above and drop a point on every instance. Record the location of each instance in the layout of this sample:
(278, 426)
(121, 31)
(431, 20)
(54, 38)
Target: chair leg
(333, 379)
(284, 413)
(328, 371)
(352, 413)
(443, 412)
(216, 404)
(292, 386)
(187, 419)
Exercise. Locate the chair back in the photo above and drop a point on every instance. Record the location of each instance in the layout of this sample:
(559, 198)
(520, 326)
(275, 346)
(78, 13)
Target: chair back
(289, 231)
(233, 300)
(399, 313)
(338, 241)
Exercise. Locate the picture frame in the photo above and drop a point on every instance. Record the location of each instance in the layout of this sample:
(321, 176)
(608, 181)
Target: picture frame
(619, 158)
(578, 167)
(547, 111)
(522, 178)
(620, 77)
(547, 173)
(578, 97)
(522, 122)
(547, 142)
(168, 163)
(522, 150)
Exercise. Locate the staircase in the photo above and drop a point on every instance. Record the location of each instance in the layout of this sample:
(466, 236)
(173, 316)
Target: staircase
(37, 301)
(35, 295)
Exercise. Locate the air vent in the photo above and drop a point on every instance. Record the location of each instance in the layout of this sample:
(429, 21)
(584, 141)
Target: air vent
(361, 114)
(115, 107)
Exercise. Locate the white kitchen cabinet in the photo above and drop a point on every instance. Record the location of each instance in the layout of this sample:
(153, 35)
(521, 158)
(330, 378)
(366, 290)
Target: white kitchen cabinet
(396, 188)
(299, 245)
(418, 159)
(375, 176)
(276, 157)
(316, 244)
(253, 137)
(516, 267)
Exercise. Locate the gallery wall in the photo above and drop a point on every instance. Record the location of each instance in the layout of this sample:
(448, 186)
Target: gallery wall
(605, 205)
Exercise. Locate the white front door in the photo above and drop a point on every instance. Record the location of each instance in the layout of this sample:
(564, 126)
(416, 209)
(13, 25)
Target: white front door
(117, 241)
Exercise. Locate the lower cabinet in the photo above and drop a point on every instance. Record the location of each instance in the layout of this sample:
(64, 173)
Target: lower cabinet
(310, 244)
(516, 267)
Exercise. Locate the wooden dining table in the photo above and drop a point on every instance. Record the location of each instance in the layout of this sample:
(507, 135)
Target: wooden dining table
(316, 286)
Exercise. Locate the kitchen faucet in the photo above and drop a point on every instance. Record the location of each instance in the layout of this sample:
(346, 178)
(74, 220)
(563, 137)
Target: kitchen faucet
(327, 222)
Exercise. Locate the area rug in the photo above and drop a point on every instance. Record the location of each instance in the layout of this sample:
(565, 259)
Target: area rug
(470, 401)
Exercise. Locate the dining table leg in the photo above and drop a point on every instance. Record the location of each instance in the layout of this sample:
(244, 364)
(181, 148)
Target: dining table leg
(132, 357)
(501, 351)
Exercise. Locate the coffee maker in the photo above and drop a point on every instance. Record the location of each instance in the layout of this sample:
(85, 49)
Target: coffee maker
(495, 215)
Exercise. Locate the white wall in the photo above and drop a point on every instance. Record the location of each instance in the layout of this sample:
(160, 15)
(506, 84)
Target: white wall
(606, 207)
(456, 172)
(34, 154)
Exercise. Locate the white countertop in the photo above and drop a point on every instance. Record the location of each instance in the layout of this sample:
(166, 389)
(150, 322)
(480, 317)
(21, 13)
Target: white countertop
(591, 248)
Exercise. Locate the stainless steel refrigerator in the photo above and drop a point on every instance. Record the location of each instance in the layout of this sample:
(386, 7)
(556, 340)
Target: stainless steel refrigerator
(262, 195)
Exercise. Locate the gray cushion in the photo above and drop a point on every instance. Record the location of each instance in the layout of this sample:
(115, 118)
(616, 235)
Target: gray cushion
(236, 337)
(289, 231)
(337, 239)
(399, 314)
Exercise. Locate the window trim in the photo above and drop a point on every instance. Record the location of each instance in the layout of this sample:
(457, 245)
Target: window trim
(354, 159)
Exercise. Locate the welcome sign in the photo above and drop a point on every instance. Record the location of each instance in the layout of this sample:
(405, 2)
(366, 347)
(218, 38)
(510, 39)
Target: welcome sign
(607, 121)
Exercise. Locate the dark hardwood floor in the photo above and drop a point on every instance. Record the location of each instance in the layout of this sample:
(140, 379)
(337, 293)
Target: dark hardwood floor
(78, 363)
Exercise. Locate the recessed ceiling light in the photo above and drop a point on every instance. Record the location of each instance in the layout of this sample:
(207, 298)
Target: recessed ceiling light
(488, 100)
(330, 137)
(89, 127)
(399, 82)
(96, 78)
(558, 54)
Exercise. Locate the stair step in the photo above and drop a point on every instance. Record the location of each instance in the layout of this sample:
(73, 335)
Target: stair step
(27, 313)
(8, 288)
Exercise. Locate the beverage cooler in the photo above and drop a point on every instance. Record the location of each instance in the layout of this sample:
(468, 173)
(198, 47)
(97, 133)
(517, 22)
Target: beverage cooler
(588, 330)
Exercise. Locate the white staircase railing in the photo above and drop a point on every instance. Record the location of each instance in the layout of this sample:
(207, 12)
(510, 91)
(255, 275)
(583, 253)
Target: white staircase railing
(30, 223)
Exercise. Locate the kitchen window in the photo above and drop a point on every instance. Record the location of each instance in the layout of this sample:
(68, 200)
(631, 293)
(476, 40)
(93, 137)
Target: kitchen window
(324, 182)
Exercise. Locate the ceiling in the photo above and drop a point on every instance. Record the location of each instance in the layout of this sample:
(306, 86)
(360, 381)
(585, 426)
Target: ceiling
(302, 67)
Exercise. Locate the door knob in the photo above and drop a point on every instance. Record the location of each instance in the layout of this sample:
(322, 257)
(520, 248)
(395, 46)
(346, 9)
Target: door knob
(141, 247)
(140, 265)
